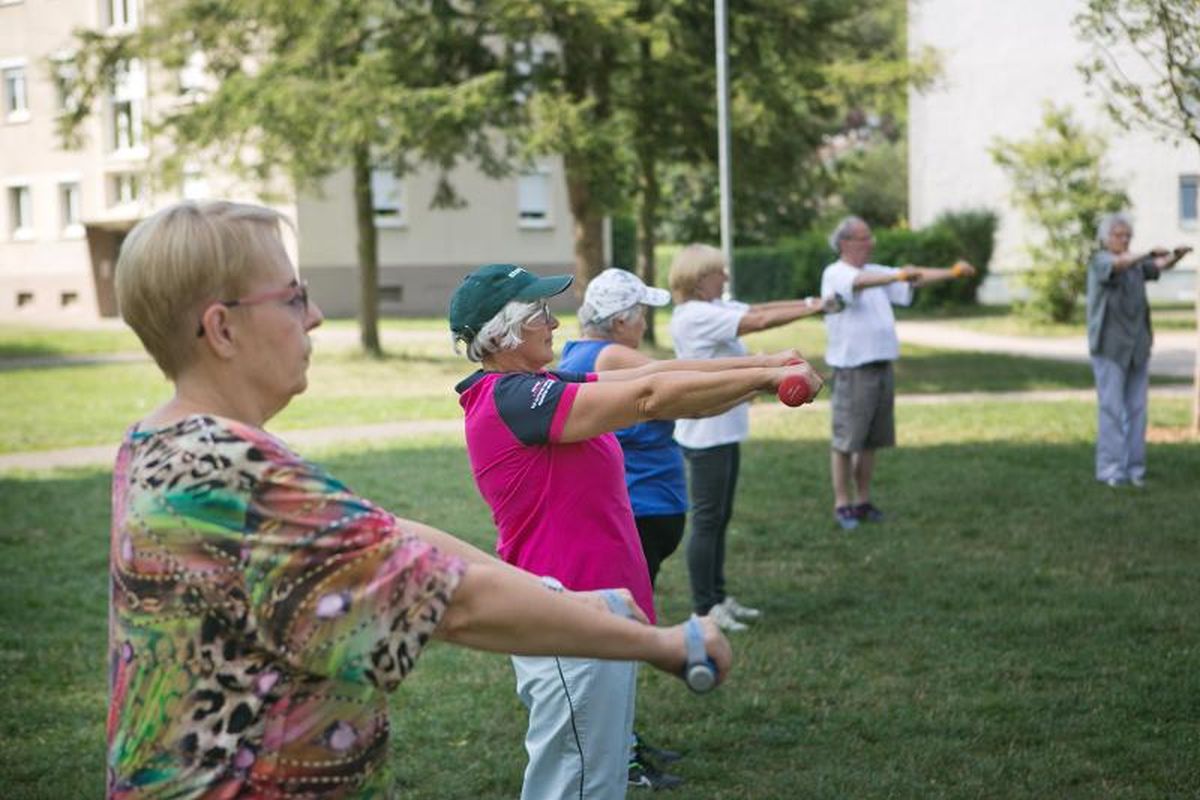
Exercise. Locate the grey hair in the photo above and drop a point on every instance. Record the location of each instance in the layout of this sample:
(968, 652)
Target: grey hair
(1110, 221)
(602, 327)
(839, 233)
(501, 332)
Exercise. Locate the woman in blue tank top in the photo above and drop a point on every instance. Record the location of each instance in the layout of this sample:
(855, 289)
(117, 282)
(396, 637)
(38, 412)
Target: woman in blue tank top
(613, 319)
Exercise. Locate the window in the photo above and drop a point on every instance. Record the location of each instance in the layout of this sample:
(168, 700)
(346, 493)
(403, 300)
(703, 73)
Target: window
(66, 86)
(68, 206)
(125, 187)
(1188, 186)
(533, 199)
(20, 212)
(127, 132)
(387, 192)
(16, 96)
(195, 184)
(129, 88)
(122, 13)
(192, 77)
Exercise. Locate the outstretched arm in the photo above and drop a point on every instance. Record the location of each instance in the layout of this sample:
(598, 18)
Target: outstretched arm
(620, 363)
(606, 406)
(1166, 260)
(508, 611)
(928, 275)
(762, 316)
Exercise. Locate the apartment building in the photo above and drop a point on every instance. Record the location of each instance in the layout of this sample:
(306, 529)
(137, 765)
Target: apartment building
(64, 212)
(1000, 63)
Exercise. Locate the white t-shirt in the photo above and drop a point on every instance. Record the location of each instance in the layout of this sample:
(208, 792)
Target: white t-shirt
(865, 330)
(708, 329)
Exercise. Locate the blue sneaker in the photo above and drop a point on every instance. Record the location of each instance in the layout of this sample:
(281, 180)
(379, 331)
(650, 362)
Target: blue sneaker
(868, 513)
(845, 517)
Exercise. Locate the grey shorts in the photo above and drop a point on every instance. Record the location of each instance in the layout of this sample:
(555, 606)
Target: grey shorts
(863, 407)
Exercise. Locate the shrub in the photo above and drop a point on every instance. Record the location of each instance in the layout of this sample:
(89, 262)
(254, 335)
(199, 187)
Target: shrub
(793, 267)
(624, 243)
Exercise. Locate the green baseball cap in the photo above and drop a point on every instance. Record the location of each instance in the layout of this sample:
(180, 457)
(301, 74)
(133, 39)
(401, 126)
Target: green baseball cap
(484, 292)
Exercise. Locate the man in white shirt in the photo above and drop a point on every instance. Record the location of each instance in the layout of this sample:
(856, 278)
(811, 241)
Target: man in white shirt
(861, 347)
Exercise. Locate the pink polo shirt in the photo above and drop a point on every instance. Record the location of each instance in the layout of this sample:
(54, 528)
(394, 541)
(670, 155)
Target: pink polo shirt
(560, 509)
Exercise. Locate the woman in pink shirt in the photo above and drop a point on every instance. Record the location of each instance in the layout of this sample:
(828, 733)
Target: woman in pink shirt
(546, 461)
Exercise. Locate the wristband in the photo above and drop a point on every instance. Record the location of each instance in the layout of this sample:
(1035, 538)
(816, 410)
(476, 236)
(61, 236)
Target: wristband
(700, 672)
(617, 604)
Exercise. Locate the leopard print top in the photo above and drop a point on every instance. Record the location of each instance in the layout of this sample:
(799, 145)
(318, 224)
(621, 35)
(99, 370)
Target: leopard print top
(259, 612)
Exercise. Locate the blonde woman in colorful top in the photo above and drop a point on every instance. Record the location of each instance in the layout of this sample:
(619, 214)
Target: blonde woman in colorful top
(260, 609)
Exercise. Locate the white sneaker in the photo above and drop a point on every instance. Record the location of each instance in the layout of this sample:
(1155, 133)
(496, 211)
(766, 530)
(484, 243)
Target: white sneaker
(724, 619)
(740, 611)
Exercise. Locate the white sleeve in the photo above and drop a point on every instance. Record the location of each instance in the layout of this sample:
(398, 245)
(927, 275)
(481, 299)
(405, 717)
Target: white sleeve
(699, 328)
(900, 293)
(838, 280)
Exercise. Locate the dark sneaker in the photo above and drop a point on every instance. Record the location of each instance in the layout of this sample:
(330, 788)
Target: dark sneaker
(868, 513)
(845, 517)
(644, 775)
(644, 751)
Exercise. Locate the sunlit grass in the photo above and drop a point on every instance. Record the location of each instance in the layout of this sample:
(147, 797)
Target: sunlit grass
(1014, 630)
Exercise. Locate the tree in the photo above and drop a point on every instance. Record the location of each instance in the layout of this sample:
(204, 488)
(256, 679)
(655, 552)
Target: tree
(1145, 59)
(801, 73)
(562, 58)
(1059, 184)
(302, 89)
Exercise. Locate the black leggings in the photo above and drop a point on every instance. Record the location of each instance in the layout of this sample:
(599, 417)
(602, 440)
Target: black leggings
(660, 536)
(712, 483)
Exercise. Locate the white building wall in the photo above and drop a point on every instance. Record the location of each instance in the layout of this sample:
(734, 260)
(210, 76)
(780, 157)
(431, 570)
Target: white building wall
(45, 269)
(57, 271)
(423, 257)
(1001, 62)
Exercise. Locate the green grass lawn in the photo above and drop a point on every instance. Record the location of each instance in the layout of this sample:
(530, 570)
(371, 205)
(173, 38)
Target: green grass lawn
(90, 404)
(1014, 630)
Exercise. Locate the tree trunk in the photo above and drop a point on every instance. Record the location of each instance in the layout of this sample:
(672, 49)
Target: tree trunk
(647, 222)
(368, 254)
(588, 230)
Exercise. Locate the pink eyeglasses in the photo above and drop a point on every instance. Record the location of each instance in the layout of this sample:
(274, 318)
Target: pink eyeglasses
(294, 295)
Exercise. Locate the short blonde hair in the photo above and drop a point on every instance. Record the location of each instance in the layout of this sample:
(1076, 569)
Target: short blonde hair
(689, 266)
(184, 257)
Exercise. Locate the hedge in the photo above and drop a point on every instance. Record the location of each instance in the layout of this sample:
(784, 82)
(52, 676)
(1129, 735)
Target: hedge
(793, 267)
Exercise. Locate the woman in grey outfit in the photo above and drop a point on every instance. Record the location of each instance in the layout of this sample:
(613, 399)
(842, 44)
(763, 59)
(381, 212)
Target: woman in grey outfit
(1119, 340)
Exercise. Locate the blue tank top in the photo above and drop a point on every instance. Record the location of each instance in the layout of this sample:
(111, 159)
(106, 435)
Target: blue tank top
(653, 461)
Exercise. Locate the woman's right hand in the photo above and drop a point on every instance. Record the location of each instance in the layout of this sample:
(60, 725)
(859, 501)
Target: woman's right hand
(674, 658)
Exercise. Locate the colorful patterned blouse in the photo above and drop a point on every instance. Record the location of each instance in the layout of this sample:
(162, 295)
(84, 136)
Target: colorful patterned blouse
(259, 612)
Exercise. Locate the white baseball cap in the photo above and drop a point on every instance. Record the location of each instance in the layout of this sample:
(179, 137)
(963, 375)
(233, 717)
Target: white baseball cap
(614, 290)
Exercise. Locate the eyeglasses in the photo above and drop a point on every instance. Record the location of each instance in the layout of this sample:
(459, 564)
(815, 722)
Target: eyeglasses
(540, 317)
(294, 295)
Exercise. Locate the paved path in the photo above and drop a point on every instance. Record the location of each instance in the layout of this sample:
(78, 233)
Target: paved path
(1174, 353)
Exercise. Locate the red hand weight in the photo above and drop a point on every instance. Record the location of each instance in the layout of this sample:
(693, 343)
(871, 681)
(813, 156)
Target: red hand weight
(794, 390)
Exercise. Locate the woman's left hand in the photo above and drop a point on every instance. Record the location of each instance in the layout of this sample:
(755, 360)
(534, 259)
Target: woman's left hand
(597, 600)
(783, 358)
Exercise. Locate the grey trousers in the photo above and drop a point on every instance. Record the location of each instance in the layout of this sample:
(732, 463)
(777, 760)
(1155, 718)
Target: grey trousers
(580, 726)
(712, 482)
(1121, 425)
